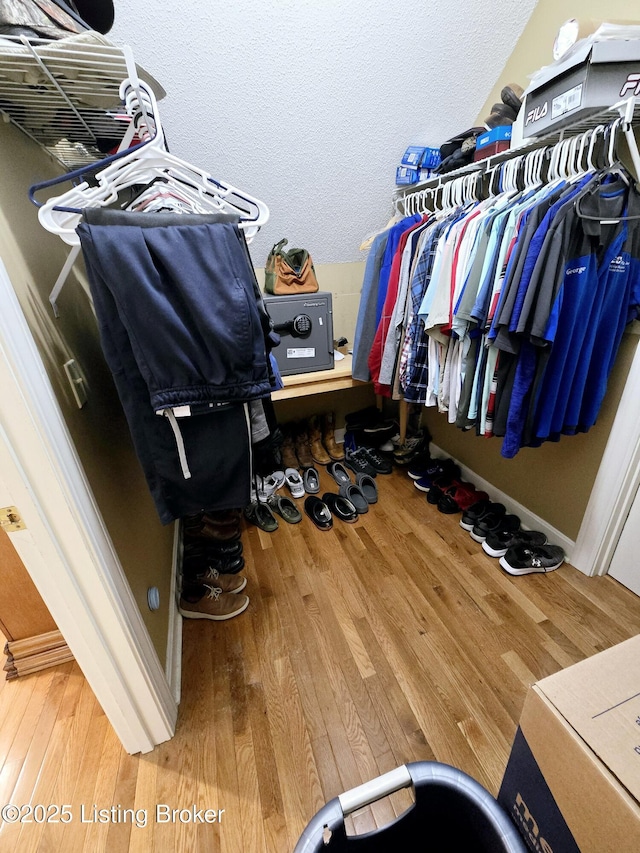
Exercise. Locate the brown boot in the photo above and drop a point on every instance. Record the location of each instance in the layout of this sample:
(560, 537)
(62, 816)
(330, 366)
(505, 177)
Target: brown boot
(303, 451)
(288, 451)
(334, 449)
(318, 453)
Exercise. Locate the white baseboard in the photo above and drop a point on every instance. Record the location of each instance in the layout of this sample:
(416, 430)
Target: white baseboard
(529, 520)
(173, 668)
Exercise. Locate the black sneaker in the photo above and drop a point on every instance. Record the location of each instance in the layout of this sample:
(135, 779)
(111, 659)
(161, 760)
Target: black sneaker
(421, 465)
(477, 512)
(525, 559)
(198, 566)
(381, 465)
(358, 462)
(492, 522)
(498, 542)
(213, 549)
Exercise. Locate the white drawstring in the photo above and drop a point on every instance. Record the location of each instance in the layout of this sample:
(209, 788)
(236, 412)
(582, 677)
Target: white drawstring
(182, 455)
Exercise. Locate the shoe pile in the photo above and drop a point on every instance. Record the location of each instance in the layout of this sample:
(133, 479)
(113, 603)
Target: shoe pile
(520, 551)
(309, 443)
(212, 558)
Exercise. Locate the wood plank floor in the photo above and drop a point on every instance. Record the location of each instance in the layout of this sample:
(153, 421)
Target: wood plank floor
(395, 639)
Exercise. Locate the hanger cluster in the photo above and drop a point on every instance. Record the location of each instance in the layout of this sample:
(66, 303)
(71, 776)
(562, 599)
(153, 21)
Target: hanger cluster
(145, 176)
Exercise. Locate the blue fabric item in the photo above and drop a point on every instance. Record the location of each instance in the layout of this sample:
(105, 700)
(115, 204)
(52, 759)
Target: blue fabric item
(393, 241)
(535, 249)
(278, 384)
(366, 322)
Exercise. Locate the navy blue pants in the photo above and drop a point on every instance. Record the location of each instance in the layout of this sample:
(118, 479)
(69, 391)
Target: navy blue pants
(181, 326)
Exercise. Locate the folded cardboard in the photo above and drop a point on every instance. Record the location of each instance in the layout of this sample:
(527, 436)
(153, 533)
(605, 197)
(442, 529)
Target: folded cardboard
(597, 73)
(572, 783)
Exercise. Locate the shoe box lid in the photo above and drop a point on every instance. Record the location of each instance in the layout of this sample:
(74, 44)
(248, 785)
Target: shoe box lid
(304, 322)
(597, 73)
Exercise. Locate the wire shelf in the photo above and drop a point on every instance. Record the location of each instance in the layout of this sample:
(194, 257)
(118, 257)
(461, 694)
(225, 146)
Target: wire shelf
(629, 110)
(64, 94)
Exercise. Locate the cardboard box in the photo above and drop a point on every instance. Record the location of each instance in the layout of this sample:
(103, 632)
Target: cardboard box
(596, 74)
(572, 783)
(304, 322)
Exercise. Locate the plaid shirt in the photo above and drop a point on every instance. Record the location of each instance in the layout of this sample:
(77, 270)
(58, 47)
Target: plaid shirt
(415, 356)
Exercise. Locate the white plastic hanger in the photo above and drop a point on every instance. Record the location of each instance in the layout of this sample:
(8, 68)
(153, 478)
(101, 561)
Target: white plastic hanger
(141, 165)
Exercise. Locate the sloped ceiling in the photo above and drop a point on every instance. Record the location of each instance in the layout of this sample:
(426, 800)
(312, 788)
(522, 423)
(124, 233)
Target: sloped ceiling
(310, 104)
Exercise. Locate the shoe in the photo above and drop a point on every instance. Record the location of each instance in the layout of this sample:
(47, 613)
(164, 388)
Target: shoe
(368, 487)
(440, 468)
(294, 482)
(267, 486)
(492, 522)
(221, 517)
(285, 508)
(212, 549)
(498, 542)
(477, 512)
(316, 447)
(459, 498)
(301, 444)
(318, 512)
(311, 481)
(203, 601)
(421, 465)
(335, 451)
(511, 95)
(357, 462)
(288, 451)
(231, 583)
(259, 514)
(354, 493)
(341, 507)
(381, 465)
(203, 532)
(197, 565)
(339, 473)
(406, 452)
(527, 559)
(439, 486)
(367, 418)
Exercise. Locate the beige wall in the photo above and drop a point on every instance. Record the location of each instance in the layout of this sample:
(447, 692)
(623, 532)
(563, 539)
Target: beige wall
(534, 47)
(33, 259)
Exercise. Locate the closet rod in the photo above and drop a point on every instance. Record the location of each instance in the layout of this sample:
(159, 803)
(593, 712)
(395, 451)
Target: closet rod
(625, 109)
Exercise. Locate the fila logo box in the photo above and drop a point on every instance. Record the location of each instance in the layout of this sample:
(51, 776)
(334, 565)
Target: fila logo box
(572, 782)
(595, 76)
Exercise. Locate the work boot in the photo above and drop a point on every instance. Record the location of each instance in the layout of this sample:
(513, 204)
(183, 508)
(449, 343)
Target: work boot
(318, 452)
(301, 442)
(335, 451)
(288, 451)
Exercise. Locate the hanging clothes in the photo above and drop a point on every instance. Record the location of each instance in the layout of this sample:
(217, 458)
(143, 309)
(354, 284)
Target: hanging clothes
(507, 313)
(185, 334)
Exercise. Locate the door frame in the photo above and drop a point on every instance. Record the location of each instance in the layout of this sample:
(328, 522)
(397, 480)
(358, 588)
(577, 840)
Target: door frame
(66, 547)
(616, 482)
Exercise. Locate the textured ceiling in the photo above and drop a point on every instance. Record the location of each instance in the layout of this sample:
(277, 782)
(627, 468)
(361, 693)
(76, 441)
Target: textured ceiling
(309, 104)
